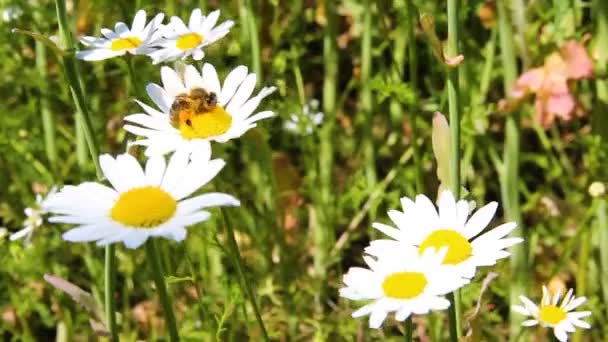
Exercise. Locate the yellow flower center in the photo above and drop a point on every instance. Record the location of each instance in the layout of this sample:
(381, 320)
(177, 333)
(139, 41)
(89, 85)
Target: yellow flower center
(144, 207)
(551, 314)
(204, 125)
(188, 41)
(125, 43)
(459, 248)
(404, 285)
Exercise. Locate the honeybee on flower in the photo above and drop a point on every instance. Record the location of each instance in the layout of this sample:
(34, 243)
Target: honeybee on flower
(194, 109)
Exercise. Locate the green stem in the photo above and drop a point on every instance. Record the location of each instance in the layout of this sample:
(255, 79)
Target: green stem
(581, 274)
(366, 103)
(235, 254)
(409, 329)
(73, 78)
(136, 90)
(110, 281)
(83, 124)
(297, 74)
(158, 274)
(602, 227)
(413, 109)
(454, 109)
(254, 41)
(324, 231)
(48, 124)
(509, 172)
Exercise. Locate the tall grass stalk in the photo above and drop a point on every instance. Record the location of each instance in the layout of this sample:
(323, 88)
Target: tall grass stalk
(600, 127)
(73, 77)
(235, 255)
(582, 272)
(509, 172)
(48, 123)
(83, 125)
(602, 229)
(366, 104)
(254, 40)
(409, 329)
(110, 284)
(454, 110)
(412, 22)
(324, 233)
(400, 41)
(154, 260)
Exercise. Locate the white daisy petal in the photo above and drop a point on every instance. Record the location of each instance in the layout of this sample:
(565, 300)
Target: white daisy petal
(480, 220)
(172, 83)
(529, 323)
(389, 280)
(138, 207)
(242, 94)
(232, 82)
(139, 22)
(210, 78)
(553, 315)
(167, 132)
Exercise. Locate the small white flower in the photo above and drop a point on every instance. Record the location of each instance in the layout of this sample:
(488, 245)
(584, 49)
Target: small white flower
(229, 119)
(34, 218)
(155, 202)
(181, 41)
(560, 318)
(10, 13)
(401, 282)
(420, 226)
(307, 121)
(138, 40)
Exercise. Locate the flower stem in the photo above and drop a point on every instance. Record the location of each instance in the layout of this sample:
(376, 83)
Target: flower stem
(413, 109)
(158, 274)
(235, 254)
(254, 41)
(409, 329)
(509, 171)
(324, 231)
(48, 124)
(73, 77)
(602, 228)
(109, 285)
(84, 126)
(366, 102)
(454, 110)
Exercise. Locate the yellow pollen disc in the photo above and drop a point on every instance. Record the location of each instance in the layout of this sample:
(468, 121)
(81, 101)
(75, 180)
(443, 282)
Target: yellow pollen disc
(459, 248)
(125, 43)
(552, 314)
(144, 207)
(204, 125)
(404, 285)
(188, 41)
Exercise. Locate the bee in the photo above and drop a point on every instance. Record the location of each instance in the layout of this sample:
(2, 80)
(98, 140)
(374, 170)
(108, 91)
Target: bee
(199, 101)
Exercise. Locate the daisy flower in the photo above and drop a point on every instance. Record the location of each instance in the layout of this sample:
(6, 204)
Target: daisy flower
(137, 40)
(195, 109)
(34, 218)
(550, 315)
(401, 282)
(306, 122)
(421, 226)
(142, 203)
(181, 41)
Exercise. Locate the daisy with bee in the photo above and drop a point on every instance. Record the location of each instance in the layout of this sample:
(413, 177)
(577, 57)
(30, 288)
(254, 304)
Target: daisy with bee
(194, 108)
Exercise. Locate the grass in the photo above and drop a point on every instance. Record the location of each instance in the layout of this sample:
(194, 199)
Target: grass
(308, 201)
